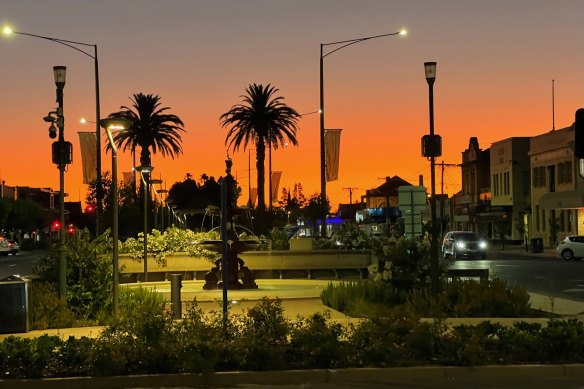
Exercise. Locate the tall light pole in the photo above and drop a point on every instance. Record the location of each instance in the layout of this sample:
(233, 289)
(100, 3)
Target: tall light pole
(432, 148)
(62, 152)
(145, 171)
(77, 46)
(114, 124)
(337, 46)
(155, 181)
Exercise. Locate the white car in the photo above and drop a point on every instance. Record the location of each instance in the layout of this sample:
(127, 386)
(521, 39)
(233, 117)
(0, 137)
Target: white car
(572, 247)
(4, 246)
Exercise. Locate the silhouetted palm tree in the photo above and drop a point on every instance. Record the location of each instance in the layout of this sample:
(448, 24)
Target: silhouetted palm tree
(152, 129)
(262, 119)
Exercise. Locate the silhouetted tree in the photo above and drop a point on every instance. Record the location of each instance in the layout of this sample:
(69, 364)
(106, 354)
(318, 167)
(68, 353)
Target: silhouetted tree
(262, 119)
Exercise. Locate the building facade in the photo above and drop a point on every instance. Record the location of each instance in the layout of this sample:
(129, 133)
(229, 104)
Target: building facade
(510, 188)
(557, 190)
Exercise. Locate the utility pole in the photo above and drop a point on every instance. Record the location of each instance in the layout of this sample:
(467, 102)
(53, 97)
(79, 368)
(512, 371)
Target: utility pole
(350, 189)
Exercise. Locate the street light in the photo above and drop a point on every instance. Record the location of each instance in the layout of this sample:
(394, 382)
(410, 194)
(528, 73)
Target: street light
(62, 152)
(341, 45)
(76, 46)
(114, 124)
(155, 181)
(432, 148)
(145, 170)
(162, 192)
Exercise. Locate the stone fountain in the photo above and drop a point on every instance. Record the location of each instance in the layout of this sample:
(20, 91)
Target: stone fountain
(238, 275)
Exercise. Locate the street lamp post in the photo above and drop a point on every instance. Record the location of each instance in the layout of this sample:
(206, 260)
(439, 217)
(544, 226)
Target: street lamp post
(76, 46)
(339, 45)
(155, 181)
(432, 148)
(162, 192)
(145, 170)
(111, 124)
(61, 157)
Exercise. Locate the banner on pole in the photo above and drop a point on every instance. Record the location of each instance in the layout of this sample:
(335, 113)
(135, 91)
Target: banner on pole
(88, 147)
(332, 142)
(275, 185)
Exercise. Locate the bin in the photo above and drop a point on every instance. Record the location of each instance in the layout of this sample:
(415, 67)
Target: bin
(14, 302)
(537, 245)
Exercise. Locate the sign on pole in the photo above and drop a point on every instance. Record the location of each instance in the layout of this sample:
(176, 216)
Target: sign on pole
(412, 204)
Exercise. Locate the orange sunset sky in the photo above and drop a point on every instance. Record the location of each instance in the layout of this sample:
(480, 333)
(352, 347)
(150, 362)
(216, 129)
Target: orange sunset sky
(496, 61)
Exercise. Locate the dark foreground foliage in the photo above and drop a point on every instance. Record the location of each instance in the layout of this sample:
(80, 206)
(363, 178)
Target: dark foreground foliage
(146, 340)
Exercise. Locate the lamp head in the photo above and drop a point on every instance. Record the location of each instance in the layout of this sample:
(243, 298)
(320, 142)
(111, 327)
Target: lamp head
(403, 32)
(7, 30)
(60, 73)
(115, 123)
(144, 169)
(430, 69)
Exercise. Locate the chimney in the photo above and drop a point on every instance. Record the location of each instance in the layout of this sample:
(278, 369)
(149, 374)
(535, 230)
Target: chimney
(421, 180)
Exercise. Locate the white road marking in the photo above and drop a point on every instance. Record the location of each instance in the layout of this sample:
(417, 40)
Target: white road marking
(506, 266)
(574, 290)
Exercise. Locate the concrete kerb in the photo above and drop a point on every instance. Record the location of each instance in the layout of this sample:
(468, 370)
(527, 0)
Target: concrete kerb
(426, 376)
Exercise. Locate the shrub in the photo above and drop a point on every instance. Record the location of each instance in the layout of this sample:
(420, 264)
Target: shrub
(89, 273)
(47, 309)
(458, 299)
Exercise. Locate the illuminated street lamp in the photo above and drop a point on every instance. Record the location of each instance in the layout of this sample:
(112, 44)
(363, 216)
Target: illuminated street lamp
(155, 181)
(337, 46)
(7, 31)
(145, 170)
(432, 148)
(62, 152)
(114, 124)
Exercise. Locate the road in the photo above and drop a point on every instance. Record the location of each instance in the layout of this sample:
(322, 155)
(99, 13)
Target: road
(539, 273)
(21, 263)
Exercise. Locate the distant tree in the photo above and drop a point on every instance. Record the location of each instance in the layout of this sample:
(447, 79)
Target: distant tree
(262, 120)
(292, 201)
(314, 209)
(25, 215)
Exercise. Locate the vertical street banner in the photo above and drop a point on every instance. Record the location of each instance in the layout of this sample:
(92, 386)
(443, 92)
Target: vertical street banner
(128, 178)
(332, 144)
(275, 185)
(88, 147)
(254, 196)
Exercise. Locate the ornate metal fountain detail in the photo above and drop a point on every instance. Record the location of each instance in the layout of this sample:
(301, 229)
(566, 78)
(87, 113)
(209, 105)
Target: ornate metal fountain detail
(238, 275)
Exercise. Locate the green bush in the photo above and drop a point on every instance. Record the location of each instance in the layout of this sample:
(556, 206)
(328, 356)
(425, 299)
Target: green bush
(47, 309)
(458, 299)
(145, 340)
(89, 273)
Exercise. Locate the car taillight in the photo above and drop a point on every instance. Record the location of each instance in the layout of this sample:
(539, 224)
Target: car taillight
(10, 245)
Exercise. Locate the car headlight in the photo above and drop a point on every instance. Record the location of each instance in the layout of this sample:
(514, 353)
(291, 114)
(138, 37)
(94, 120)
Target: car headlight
(460, 245)
(483, 245)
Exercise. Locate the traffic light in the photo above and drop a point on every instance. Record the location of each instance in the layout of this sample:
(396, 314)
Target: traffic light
(71, 229)
(579, 134)
(56, 225)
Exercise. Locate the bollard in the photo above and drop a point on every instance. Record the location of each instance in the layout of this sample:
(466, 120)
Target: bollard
(175, 286)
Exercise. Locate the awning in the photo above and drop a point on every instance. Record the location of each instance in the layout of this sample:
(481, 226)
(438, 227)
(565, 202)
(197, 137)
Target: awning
(562, 200)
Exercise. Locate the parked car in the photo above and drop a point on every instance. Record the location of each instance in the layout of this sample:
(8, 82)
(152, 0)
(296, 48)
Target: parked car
(572, 247)
(459, 244)
(13, 246)
(4, 248)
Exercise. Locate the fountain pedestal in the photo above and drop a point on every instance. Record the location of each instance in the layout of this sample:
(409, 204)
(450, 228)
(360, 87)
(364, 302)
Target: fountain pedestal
(238, 275)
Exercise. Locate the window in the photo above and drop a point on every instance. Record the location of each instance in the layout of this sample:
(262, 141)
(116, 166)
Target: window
(495, 185)
(565, 172)
(537, 218)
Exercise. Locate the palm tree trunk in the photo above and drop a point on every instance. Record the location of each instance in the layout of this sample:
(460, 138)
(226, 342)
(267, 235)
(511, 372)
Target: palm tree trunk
(260, 162)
